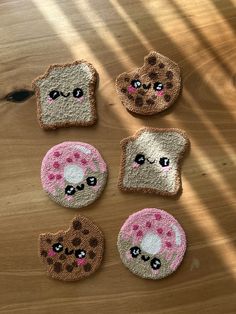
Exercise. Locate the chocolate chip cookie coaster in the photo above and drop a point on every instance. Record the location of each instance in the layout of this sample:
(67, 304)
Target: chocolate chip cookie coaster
(73, 174)
(66, 95)
(151, 243)
(151, 161)
(152, 88)
(73, 254)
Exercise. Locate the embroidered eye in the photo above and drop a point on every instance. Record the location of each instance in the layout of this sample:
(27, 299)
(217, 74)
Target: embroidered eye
(54, 94)
(91, 181)
(57, 247)
(135, 251)
(140, 159)
(158, 86)
(70, 190)
(80, 253)
(136, 83)
(155, 263)
(78, 93)
(164, 161)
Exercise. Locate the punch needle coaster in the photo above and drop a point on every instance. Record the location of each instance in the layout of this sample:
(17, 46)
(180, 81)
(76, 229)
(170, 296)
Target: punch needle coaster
(73, 174)
(150, 161)
(73, 254)
(66, 95)
(152, 88)
(151, 243)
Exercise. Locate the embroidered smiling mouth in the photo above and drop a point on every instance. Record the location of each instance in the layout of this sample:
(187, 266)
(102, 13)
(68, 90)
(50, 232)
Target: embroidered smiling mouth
(151, 161)
(67, 95)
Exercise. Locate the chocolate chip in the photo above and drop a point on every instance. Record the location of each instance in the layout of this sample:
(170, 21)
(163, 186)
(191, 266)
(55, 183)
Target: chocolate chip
(77, 225)
(139, 101)
(167, 97)
(169, 85)
(49, 241)
(85, 231)
(76, 241)
(49, 261)
(126, 79)
(93, 242)
(169, 75)
(161, 65)
(60, 239)
(87, 267)
(153, 75)
(152, 60)
(74, 264)
(57, 267)
(123, 90)
(69, 268)
(150, 102)
(130, 97)
(154, 96)
(91, 254)
(62, 257)
(44, 253)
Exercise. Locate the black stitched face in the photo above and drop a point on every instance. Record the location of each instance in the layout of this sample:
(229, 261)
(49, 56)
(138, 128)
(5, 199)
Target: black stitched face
(140, 159)
(155, 263)
(158, 86)
(70, 190)
(57, 247)
(80, 187)
(136, 83)
(78, 93)
(54, 94)
(164, 161)
(80, 253)
(91, 181)
(135, 251)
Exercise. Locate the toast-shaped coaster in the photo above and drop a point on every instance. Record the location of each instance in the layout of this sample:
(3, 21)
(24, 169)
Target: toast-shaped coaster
(72, 254)
(66, 95)
(151, 243)
(73, 174)
(151, 161)
(152, 88)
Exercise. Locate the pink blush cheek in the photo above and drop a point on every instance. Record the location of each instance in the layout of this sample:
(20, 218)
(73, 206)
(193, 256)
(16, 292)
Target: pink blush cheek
(81, 99)
(96, 187)
(51, 253)
(128, 255)
(135, 165)
(131, 89)
(161, 93)
(81, 262)
(50, 100)
(155, 272)
(166, 169)
(69, 198)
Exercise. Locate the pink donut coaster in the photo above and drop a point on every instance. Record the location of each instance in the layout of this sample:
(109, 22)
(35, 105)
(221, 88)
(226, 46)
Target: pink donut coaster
(151, 243)
(73, 174)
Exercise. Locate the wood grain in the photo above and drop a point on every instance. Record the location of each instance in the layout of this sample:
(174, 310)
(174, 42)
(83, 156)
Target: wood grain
(115, 36)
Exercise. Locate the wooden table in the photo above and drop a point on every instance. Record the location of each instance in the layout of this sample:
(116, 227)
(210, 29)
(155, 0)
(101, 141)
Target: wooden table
(115, 36)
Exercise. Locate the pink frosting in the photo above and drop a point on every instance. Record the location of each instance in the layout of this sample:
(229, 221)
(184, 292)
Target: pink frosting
(69, 153)
(164, 225)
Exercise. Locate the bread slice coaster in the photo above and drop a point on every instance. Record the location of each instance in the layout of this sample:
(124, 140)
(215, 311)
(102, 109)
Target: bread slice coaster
(66, 95)
(150, 161)
(151, 243)
(72, 254)
(73, 174)
(152, 88)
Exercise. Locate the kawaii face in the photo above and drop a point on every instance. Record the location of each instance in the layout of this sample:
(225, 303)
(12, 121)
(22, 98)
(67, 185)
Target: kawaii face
(151, 88)
(75, 253)
(150, 161)
(66, 94)
(73, 174)
(151, 243)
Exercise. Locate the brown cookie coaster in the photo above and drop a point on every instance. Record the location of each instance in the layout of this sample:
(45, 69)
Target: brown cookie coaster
(151, 161)
(73, 174)
(72, 254)
(66, 95)
(151, 243)
(152, 88)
